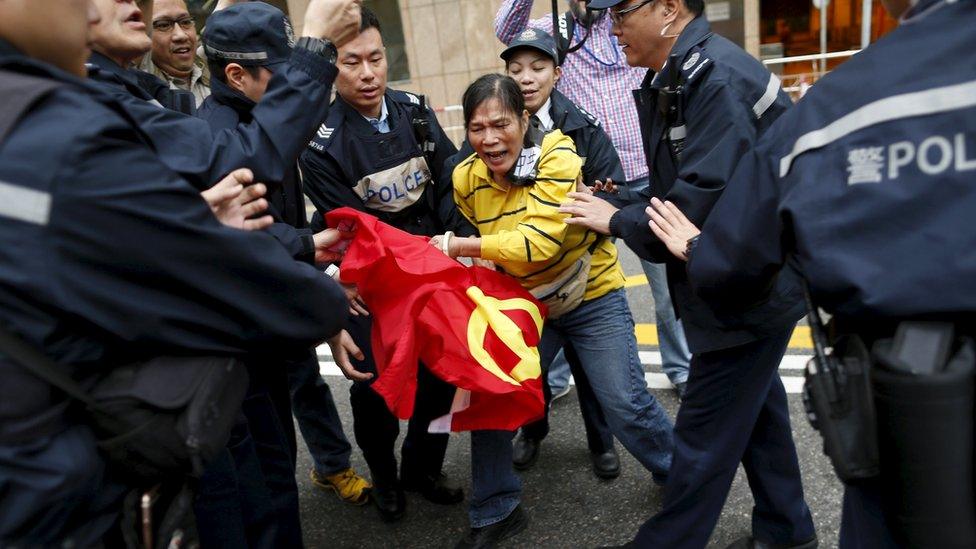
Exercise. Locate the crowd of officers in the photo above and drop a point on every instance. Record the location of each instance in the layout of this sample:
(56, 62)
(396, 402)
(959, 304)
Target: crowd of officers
(151, 205)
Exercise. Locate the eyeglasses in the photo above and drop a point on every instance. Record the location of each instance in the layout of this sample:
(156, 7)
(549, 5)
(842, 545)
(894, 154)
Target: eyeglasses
(166, 25)
(617, 16)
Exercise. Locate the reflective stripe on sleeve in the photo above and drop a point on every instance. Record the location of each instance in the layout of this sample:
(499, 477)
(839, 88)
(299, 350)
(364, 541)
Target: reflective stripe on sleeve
(24, 204)
(896, 107)
(768, 98)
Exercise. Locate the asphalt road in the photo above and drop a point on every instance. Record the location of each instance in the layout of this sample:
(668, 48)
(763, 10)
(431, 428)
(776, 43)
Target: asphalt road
(567, 505)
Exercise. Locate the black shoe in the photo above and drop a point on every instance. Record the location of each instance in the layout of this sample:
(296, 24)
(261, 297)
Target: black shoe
(606, 465)
(491, 535)
(750, 542)
(437, 489)
(390, 501)
(524, 452)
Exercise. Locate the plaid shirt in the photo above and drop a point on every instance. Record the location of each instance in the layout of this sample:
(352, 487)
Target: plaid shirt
(595, 77)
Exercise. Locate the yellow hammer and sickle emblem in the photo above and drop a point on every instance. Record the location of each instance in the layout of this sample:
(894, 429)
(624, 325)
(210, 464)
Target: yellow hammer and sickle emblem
(488, 313)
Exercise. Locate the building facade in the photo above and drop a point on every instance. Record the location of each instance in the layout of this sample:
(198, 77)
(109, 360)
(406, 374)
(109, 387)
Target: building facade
(438, 47)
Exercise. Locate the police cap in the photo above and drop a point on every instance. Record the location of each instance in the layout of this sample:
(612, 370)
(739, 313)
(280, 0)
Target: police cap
(602, 4)
(250, 34)
(535, 39)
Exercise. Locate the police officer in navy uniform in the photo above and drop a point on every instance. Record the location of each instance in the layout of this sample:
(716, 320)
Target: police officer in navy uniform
(382, 151)
(868, 185)
(255, 39)
(537, 71)
(703, 105)
(295, 103)
(101, 265)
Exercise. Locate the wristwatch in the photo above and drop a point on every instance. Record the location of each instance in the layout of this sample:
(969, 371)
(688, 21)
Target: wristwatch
(318, 46)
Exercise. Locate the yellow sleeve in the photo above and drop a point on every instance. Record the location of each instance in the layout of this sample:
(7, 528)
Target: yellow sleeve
(540, 233)
(463, 198)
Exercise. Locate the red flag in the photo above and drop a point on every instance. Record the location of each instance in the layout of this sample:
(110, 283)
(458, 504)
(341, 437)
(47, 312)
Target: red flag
(472, 327)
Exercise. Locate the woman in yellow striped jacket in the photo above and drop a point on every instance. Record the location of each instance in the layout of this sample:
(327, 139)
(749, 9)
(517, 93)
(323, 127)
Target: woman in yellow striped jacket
(510, 189)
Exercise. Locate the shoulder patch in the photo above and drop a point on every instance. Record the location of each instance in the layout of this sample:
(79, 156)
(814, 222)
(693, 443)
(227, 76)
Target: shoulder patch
(325, 132)
(406, 98)
(695, 64)
(323, 136)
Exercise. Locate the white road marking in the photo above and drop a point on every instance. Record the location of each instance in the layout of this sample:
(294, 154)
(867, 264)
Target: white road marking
(789, 370)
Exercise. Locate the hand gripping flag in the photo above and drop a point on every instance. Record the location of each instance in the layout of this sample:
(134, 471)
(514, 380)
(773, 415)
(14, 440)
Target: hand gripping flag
(472, 327)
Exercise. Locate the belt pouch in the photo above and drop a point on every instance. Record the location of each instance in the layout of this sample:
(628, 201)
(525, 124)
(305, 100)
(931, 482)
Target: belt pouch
(925, 430)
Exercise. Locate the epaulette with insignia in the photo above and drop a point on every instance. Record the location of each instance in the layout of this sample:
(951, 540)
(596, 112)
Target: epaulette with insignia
(323, 136)
(406, 98)
(589, 117)
(695, 64)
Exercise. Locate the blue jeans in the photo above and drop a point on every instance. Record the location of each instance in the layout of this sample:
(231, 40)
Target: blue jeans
(495, 488)
(675, 355)
(601, 332)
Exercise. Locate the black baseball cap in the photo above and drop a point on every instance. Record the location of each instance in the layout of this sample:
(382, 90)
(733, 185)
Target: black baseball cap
(602, 4)
(251, 34)
(535, 39)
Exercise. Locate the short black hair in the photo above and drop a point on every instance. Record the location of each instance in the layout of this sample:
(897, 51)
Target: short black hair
(695, 6)
(492, 86)
(368, 20)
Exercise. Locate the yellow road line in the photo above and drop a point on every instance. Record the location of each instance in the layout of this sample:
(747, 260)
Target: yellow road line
(647, 335)
(636, 280)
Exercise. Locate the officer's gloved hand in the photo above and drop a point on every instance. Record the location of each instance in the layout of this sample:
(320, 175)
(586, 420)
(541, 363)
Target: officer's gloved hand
(334, 20)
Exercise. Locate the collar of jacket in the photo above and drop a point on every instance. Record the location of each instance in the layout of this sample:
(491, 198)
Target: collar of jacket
(13, 59)
(226, 95)
(355, 120)
(566, 117)
(696, 32)
(103, 69)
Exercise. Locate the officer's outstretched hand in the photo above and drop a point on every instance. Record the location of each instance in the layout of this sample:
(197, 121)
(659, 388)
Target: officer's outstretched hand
(234, 200)
(334, 20)
(671, 227)
(343, 347)
(588, 211)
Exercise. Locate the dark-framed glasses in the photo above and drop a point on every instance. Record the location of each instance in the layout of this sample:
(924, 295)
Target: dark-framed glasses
(167, 25)
(617, 16)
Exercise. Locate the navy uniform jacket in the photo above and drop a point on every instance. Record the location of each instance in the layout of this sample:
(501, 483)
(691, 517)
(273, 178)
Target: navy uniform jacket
(296, 101)
(350, 163)
(226, 109)
(869, 183)
(593, 145)
(108, 256)
(729, 100)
